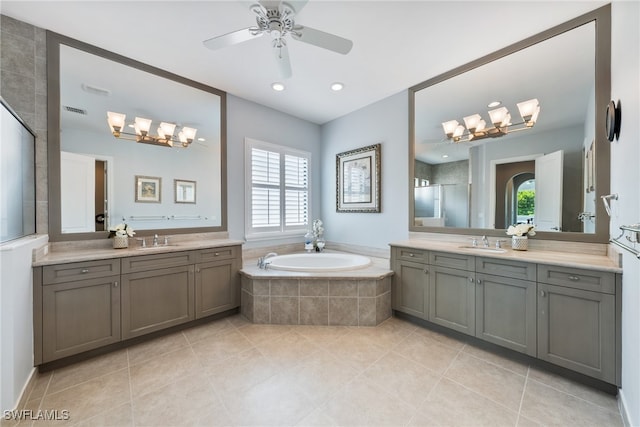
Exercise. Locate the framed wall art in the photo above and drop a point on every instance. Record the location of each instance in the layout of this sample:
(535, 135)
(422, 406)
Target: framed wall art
(148, 189)
(184, 191)
(358, 180)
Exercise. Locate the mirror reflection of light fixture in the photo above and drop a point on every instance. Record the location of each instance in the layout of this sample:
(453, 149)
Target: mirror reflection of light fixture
(166, 130)
(476, 128)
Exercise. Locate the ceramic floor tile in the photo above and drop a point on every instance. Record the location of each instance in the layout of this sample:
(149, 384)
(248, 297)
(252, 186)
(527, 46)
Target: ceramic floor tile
(215, 349)
(360, 403)
(141, 353)
(41, 384)
(388, 334)
(182, 403)
(90, 398)
(450, 404)
(590, 394)
(288, 350)
(321, 335)
(358, 351)
(496, 359)
(401, 377)
(257, 334)
(441, 338)
(320, 376)
(121, 416)
(86, 370)
(317, 419)
(275, 401)
(240, 372)
(491, 381)
(427, 351)
(549, 406)
(207, 330)
(163, 370)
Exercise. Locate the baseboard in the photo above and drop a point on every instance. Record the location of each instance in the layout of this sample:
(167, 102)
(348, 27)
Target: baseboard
(27, 389)
(622, 407)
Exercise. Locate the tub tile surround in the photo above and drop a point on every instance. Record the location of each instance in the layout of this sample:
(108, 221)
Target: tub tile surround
(311, 375)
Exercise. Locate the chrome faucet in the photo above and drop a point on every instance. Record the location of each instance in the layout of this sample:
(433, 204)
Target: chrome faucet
(262, 261)
(485, 241)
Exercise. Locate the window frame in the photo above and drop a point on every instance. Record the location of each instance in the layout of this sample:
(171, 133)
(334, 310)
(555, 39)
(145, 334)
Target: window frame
(283, 231)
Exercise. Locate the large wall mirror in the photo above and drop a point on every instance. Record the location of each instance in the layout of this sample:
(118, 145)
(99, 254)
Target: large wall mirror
(162, 180)
(548, 168)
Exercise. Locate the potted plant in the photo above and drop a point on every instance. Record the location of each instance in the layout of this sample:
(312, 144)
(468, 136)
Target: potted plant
(519, 236)
(120, 234)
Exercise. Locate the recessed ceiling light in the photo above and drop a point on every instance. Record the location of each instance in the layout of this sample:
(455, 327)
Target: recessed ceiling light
(277, 86)
(337, 86)
(494, 104)
(444, 156)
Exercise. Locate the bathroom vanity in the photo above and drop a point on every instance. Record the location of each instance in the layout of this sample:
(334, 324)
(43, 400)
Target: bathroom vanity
(558, 307)
(87, 299)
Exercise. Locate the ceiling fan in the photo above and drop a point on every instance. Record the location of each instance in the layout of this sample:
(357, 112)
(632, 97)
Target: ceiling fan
(277, 19)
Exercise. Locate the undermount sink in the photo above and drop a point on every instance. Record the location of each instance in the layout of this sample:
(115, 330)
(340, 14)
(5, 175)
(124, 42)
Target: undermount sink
(150, 248)
(485, 249)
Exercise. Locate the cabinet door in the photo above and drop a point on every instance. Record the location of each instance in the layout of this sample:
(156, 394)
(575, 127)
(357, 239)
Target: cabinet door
(576, 330)
(79, 316)
(506, 312)
(411, 288)
(158, 299)
(217, 287)
(452, 299)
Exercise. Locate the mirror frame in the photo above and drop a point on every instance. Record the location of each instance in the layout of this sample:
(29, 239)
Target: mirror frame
(54, 40)
(602, 19)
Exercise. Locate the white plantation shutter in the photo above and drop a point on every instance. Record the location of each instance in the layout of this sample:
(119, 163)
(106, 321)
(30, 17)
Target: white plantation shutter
(278, 200)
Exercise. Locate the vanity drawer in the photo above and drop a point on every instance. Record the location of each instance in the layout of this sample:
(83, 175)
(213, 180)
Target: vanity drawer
(409, 254)
(589, 280)
(506, 268)
(216, 254)
(61, 273)
(448, 259)
(152, 262)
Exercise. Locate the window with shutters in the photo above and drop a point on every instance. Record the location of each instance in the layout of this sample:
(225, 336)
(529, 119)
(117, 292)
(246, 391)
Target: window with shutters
(278, 190)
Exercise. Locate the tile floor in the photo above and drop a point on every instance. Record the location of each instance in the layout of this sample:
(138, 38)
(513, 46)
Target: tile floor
(232, 372)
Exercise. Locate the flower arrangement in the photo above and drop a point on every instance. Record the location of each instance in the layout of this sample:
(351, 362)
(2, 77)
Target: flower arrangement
(121, 230)
(317, 228)
(521, 230)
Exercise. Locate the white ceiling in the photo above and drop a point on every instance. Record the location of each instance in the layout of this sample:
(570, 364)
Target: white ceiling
(397, 44)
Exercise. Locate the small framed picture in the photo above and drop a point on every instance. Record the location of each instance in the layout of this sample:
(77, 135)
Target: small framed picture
(184, 191)
(358, 180)
(148, 189)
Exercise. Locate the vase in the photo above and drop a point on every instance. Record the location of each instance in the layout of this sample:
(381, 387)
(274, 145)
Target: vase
(120, 242)
(519, 243)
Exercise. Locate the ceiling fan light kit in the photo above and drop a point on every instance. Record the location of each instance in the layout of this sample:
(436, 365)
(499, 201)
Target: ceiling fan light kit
(279, 23)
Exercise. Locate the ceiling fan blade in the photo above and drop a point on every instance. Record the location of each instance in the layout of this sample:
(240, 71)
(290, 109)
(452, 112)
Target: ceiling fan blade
(230, 39)
(296, 5)
(269, 4)
(282, 58)
(322, 39)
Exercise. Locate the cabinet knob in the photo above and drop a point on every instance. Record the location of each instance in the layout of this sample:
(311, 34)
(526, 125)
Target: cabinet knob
(115, 284)
(84, 271)
(543, 294)
(426, 271)
(471, 279)
(574, 278)
(411, 255)
(479, 282)
(216, 254)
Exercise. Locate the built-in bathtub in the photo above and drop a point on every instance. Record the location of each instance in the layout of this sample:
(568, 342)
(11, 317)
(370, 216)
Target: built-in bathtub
(318, 262)
(317, 289)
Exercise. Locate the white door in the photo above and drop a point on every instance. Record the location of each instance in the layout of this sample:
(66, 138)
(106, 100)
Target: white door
(548, 199)
(77, 189)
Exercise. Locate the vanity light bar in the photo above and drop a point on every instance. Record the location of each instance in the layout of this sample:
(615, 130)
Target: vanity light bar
(166, 130)
(476, 128)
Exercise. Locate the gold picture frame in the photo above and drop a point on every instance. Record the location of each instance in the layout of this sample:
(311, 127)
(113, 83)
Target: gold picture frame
(358, 180)
(148, 189)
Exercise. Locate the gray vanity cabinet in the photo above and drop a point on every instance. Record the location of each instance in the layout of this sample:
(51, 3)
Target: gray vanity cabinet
(577, 327)
(217, 281)
(410, 291)
(506, 312)
(452, 299)
(79, 308)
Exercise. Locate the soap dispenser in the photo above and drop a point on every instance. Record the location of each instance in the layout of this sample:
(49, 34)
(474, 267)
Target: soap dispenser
(308, 241)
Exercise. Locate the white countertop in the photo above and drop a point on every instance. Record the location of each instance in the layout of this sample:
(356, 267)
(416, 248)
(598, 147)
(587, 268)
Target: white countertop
(79, 253)
(564, 259)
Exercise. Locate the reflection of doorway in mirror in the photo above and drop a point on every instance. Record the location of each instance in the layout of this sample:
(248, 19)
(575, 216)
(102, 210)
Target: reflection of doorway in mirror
(509, 178)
